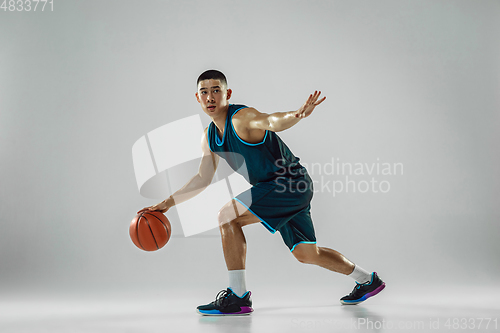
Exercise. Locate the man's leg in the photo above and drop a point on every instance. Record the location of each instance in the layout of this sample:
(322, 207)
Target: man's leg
(232, 217)
(236, 299)
(367, 284)
(324, 257)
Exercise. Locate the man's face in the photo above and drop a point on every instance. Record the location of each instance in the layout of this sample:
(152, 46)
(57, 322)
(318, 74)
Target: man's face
(213, 96)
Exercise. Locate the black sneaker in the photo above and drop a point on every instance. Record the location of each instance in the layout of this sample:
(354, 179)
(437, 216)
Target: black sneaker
(227, 303)
(364, 291)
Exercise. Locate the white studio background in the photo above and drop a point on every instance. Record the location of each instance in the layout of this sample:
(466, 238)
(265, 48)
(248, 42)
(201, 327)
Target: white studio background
(409, 82)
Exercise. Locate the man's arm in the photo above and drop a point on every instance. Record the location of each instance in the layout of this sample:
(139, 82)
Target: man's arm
(280, 121)
(195, 185)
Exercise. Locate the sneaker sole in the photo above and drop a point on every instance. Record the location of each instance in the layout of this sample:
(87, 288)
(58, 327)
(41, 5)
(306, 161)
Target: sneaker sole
(365, 297)
(245, 311)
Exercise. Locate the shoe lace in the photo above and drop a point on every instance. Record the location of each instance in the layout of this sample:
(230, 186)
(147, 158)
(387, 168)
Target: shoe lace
(358, 285)
(221, 298)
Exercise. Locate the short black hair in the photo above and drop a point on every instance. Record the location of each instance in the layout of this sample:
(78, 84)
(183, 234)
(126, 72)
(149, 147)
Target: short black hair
(214, 75)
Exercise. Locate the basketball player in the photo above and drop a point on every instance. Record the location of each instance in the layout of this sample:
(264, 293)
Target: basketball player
(279, 198)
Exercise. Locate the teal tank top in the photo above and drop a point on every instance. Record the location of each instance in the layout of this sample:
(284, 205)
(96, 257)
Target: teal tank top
(264, 161)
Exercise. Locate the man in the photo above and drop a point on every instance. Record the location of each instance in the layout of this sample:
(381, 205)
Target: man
(279, 197)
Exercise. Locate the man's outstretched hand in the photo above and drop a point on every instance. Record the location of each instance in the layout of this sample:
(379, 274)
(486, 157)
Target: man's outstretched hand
(308, 107)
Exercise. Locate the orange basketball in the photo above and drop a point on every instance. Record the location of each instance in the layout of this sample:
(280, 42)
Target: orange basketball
(150, 231)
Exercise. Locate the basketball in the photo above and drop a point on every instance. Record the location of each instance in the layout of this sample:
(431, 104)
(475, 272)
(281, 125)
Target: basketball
(150, 231)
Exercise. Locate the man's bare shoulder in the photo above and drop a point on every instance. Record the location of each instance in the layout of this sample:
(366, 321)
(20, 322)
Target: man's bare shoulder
(244, 116)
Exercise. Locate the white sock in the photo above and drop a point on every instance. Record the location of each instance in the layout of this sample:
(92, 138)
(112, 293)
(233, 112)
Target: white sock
(360, 275)
(237, 282)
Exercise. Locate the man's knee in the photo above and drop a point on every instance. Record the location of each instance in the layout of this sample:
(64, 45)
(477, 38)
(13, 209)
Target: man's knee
(301, 256)
(305, 255)
(227, 216)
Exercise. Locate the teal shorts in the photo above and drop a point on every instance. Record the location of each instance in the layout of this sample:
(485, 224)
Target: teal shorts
(283, 205)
